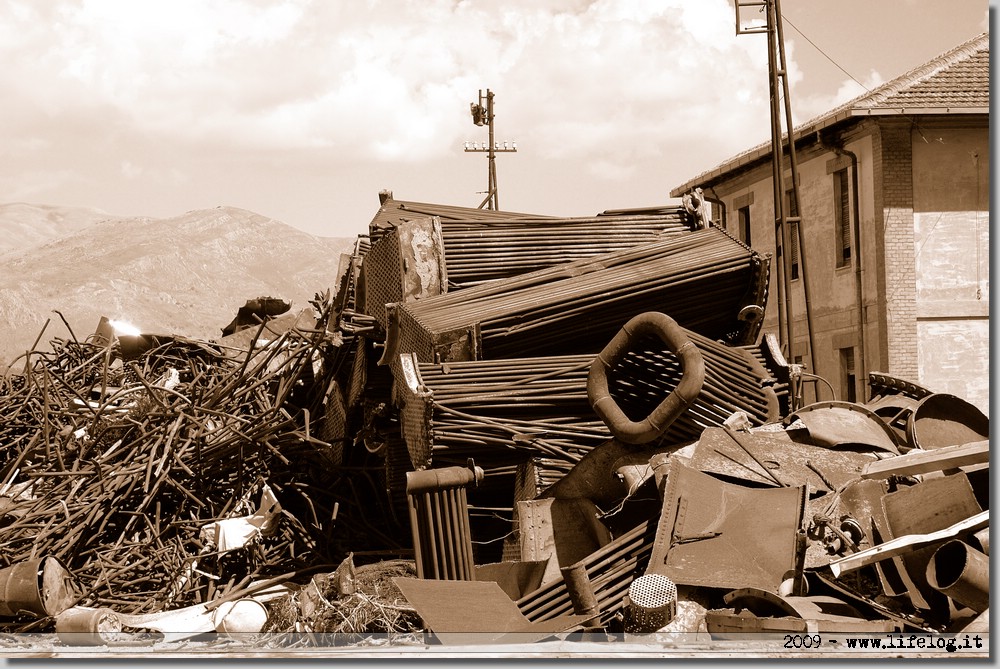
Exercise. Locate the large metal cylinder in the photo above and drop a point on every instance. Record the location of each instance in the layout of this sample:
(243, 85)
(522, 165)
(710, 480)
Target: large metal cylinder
(961, 572)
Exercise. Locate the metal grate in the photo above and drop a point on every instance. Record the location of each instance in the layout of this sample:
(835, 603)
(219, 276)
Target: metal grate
(381, 276)
(334, 425)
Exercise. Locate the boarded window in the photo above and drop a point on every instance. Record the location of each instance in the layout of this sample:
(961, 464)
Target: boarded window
(842, 218)
(743, 214)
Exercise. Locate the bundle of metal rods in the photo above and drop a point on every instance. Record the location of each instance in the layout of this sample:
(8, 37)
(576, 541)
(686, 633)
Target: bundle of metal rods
(114, 466)
(478, 251)
(702, 279)
(499, 412)
(605, 576)
(431, 255)
(394, 212)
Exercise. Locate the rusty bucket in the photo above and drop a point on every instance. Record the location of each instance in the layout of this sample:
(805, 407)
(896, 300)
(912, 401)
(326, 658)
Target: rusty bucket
(87, 626)
(43, 587)
(946, 420)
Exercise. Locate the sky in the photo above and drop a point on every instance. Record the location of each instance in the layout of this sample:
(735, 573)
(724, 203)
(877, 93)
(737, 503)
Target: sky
(303, 110)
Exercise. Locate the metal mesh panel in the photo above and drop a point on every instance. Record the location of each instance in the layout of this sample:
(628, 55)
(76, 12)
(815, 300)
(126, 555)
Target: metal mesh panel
(359, 373)
(334, 426)
(397, 464)
(415, 418)
(415, 337)
(382, 273)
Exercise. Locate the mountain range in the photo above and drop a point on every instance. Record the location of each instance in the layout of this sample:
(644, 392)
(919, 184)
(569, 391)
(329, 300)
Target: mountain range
(185, 275)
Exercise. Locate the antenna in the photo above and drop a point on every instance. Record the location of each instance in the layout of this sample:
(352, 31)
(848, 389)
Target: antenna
(482, 114)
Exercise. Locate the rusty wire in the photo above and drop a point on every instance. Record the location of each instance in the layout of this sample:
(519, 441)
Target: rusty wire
(114, 466)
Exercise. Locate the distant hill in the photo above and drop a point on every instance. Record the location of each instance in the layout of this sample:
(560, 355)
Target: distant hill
(24, 225)
(186, 275)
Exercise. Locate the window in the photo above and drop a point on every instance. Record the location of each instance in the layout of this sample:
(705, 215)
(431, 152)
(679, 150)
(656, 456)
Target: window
(842, 218)
(848, 378)
(792, 216)
(743, 215)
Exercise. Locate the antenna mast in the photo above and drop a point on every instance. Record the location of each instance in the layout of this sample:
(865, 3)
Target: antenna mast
(482, 114)
(787, 217)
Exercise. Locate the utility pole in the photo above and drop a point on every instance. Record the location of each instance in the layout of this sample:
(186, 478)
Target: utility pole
(784, 221)
(482, 114)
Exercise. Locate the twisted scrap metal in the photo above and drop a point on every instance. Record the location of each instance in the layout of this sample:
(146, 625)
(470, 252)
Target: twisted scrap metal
(114, 466)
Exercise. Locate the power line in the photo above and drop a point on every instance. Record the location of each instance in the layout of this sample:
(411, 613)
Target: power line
(825, 55)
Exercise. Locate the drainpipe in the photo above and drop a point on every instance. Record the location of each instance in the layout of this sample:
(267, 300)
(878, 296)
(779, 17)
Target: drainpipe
(714, 199)
(839, 149)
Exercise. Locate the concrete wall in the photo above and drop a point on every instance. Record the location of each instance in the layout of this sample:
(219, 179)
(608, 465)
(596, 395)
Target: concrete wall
(951, 259)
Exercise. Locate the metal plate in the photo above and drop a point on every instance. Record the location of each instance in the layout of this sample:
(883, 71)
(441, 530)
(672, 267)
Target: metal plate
(476, 612)
(714, 534)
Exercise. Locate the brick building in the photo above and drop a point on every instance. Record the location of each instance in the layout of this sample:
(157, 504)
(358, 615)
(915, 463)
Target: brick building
(893, 263)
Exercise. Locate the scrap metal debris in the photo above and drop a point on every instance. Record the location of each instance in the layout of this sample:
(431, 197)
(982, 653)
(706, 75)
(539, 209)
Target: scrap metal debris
(506, 424)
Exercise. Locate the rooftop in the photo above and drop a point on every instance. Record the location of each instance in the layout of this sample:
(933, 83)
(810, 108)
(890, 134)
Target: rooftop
(956, 82)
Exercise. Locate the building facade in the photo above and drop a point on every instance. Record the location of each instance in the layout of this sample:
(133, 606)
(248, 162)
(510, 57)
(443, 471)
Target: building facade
(891, 269)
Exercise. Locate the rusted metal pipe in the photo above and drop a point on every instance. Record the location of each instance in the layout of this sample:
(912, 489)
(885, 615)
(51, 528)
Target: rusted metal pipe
(961, 572)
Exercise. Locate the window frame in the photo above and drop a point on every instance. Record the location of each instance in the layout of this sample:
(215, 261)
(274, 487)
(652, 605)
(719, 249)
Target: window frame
(842, 241)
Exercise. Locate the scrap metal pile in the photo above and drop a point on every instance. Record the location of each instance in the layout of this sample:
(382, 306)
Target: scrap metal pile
(532, 425)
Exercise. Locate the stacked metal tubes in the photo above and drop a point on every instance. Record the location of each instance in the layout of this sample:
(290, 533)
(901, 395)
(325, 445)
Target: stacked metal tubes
(472, 251)
(501, 411)
(577, 307)
(480, 251)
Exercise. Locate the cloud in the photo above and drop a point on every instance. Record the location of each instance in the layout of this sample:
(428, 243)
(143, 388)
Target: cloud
(389, 80)
(812, 106)
(173, 104)
(130, 170)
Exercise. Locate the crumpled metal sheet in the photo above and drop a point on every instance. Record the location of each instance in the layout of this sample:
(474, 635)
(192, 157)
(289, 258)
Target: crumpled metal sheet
(754, 610)
(838, 424)
(723, 535)
(772, 459)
